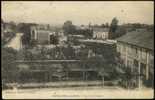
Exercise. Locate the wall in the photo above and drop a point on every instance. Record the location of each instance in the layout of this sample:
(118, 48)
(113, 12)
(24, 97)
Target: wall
(100, 35)
(131, 54)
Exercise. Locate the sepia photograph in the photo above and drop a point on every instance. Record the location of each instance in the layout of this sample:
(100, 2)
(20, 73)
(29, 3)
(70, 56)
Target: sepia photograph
(77, 49)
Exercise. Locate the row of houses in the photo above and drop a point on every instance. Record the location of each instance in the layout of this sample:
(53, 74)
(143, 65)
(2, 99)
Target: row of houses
(46, 34)
(136, 50)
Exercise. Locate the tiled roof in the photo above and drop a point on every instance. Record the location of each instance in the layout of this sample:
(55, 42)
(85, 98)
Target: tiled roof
(143, 39)
(97, 41)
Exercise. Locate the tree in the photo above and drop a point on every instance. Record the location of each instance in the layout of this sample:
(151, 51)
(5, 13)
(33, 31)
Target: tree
(125, 74)
(68, 27)
(103, 25)
(121, 30)
(8, 67)
(13, 26)
(107, 25)
(25, 28)
(113, 27)
(55, 39)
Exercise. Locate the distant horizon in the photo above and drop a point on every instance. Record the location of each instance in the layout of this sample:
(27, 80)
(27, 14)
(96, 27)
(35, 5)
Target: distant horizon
(79, 12)
(70, 20)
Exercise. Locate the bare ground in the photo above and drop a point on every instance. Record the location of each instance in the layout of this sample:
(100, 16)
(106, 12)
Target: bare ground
(77, 92)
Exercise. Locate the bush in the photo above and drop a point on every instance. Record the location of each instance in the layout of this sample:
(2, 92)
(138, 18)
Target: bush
(8, 67)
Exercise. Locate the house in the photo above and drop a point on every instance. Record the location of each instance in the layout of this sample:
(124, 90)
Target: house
(102, 48)
(136, 51)
(40, 35)
(100, 33)
(45, 35)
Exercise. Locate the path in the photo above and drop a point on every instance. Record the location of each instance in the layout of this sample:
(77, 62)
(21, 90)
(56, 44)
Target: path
(16, 42)
(76, 92)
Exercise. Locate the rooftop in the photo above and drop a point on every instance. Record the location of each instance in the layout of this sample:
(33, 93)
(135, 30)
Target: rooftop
(98, 41)
(43, 31)
(97, 29)
(141, 38)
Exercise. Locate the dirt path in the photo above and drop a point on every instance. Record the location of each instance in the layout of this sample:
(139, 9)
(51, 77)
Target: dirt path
(15, 42)
(79, 92)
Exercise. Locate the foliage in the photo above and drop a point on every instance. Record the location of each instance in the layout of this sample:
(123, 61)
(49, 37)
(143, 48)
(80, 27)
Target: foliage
(121, 30)
(126, 75)
(134, 26)
(8, 31)
(13, 26)
(86, 32)
(25, 28)
(33, 43)
(68, 27)
(113, 27)
(55, 40)
(8, 57)
(106, 25)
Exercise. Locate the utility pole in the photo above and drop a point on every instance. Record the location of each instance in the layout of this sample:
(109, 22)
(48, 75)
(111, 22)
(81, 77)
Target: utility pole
(139, 78)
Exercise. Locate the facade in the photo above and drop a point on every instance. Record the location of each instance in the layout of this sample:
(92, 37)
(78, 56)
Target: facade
(137, 52)
(101, 48)
(100, 33)
(45, 35)
(41, 36)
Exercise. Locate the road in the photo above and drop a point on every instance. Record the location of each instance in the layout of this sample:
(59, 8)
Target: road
(76, 92)
(15, 42)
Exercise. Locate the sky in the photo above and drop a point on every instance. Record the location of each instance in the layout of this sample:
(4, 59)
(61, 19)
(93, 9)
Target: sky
(78, 12)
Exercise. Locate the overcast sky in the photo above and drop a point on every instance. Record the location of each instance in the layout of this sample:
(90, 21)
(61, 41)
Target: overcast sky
(78, 12)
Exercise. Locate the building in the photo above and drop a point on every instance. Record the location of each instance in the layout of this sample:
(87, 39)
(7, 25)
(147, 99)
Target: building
(16, 42)
(45, 35)
(100, 33)
(136, 51)
(100, 48)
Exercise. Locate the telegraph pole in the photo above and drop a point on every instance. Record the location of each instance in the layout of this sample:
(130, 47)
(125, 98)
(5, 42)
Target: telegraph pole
(139, 78)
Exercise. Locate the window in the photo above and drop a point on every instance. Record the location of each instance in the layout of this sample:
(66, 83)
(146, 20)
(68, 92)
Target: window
(135, 63)
(33, 34)
(130, 50)
(123, 48)
(151, 59)
(118, 48)
(143, 69)
(129, 63)
(143, 54)
(134, 52)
